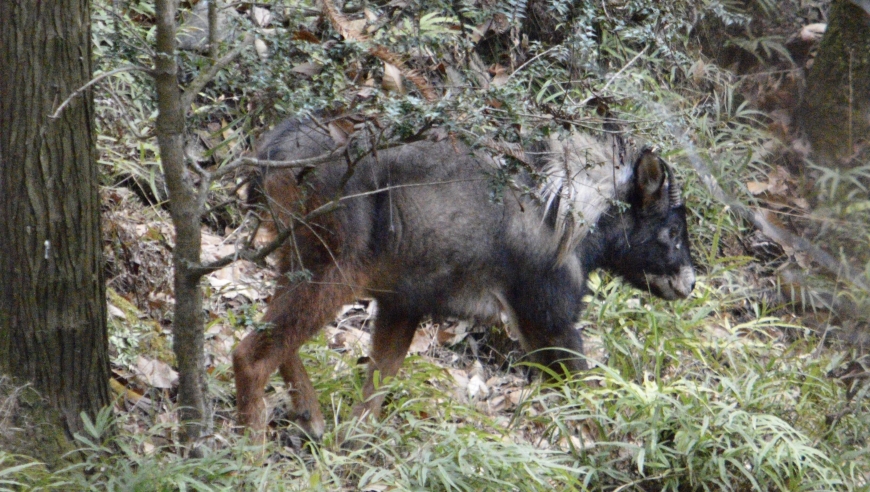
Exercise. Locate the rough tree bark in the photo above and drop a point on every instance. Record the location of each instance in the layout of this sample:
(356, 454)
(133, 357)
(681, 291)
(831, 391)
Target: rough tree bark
(185, 208)
(52, 294)
(835, 110)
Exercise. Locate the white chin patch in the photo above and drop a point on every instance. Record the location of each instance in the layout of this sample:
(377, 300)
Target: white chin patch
(676, 286)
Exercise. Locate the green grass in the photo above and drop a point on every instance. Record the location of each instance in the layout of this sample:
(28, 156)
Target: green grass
(685, 400)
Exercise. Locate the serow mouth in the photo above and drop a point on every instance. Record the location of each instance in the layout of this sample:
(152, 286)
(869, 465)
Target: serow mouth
(672, 287)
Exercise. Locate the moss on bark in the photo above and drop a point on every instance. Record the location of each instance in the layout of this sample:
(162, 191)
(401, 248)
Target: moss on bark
(835, 108)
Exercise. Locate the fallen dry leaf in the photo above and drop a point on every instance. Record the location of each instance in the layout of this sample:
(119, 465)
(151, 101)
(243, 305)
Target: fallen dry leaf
(308, 69)
(262, 49)
(115, 311)
(499, 78)
(156, 373)
(477, 388)
(756, 187)
(452, 333)
(813, 32)
(348, 338)
(519, 395)
(423, 339)
(306, 36)
(261, 17)
(392, 80)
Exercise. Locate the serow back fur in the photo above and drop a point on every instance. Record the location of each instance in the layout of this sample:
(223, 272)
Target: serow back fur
(420, 231)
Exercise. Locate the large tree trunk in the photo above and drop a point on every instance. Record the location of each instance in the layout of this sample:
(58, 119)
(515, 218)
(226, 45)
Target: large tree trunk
(835, 111)
(52, 294)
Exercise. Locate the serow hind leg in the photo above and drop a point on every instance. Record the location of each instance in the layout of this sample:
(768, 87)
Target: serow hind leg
(390, 341)
(254, 360)
(306, 410)
(295, 316)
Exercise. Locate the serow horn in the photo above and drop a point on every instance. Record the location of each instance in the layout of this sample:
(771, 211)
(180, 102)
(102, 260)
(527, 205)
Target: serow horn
(674, 192)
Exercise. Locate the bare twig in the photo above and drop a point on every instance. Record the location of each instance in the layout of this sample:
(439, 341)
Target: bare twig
(220, 205)
(296, 8)
(128, 68)
(128, 121)
(292, 164)
(408, 185)
(233, 193)
(212, 29)
(206, 77)
(617, 74)
(760, 222)
(530, 61)
(630, 63)
(261, 253)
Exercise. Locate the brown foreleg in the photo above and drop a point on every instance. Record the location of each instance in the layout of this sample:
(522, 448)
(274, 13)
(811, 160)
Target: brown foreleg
(554, 346)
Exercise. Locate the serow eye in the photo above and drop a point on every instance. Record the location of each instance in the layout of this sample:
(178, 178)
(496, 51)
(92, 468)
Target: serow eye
(673, 237)
(670, 237)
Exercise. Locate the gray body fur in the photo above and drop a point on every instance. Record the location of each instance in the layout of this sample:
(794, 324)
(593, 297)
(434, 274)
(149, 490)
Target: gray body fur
(420, 231)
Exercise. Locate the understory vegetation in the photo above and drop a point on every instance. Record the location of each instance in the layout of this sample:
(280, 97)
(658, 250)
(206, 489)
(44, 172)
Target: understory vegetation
(755, 382)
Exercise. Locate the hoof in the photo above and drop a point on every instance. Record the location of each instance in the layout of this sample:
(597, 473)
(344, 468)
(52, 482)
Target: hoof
(312, 426)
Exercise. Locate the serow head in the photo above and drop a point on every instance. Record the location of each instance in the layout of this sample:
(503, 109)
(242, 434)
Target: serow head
(654, 248)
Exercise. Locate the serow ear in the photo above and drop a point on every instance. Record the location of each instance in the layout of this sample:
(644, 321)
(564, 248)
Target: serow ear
(651, 174)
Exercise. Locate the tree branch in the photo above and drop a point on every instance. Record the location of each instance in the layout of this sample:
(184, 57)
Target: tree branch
(206, 77)
(328, 207)
(760, 222)
(261, 253)
(128, 68)
(187, 324)
(212, 29)
(292, 164)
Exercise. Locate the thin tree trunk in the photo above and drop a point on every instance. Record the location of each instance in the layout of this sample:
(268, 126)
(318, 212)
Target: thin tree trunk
(187, 325)
(52, 294)
(213, 30)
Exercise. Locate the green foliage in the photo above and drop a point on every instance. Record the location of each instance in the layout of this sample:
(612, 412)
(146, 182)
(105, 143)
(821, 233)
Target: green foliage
(679, 404)
(687, 405)
(842, 214)
(20, 472)
(763, 47)
(247, 318)
(131, 335)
